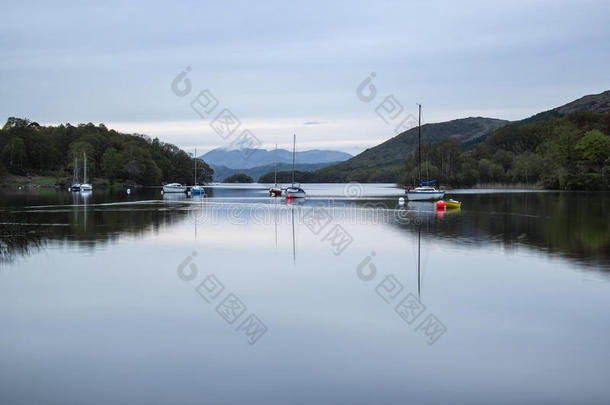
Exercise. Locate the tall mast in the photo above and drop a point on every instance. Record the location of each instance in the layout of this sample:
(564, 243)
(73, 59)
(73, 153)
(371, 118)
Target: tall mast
(195, 166)
(419, 146)
(85, 168)
(75, 175)
(294, 149)
(275, 165)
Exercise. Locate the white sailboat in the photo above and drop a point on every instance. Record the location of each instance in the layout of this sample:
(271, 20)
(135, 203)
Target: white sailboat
(85, 186)
(424, 191)
(294, 191)
(174, 188)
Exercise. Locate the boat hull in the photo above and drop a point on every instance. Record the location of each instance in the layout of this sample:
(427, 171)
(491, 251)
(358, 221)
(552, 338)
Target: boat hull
(275, 192)
(86, 187)
(174, 189)
(424, 195)
(298, 193)
(75, 187)
(197, 190)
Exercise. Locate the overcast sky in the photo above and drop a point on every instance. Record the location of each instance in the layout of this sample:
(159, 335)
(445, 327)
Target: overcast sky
(284, 68)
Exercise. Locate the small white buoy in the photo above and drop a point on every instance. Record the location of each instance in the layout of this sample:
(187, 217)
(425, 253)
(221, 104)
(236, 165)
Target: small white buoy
(128, 191)
(401, 201)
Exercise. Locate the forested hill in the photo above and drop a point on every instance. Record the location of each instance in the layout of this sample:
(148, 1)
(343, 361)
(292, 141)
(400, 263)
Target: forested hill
(597, 103)
(571, 152)
(385, 162)
(29, 149)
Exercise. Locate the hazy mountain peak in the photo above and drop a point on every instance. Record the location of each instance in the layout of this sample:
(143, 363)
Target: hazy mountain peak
(236, 159)
(599, 103)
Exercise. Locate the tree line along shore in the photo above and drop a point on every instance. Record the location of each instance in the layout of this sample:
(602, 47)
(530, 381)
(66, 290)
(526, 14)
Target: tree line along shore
(45, 155)
(571, 152)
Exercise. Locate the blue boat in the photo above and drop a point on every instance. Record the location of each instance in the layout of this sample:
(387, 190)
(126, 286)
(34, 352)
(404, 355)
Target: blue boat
(197, 190)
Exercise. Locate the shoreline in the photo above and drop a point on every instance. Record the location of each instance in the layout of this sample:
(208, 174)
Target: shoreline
(11, 180)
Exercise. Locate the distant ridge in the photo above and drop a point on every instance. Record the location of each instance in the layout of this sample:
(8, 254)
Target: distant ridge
(236, 159)
(222, 172)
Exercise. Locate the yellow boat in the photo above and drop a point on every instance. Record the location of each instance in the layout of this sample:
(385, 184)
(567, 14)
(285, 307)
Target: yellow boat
(452, 204)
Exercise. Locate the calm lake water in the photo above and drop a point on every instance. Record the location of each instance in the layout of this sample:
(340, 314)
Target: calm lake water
(347, 297)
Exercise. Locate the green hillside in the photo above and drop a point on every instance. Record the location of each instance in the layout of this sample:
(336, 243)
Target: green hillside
(570, 153)
(598, 103)
(385, 162)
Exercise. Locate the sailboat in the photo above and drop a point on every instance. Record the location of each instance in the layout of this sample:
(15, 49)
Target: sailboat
(425, 190)
(197, 189)
(275, 191)
(174, 188)
(75, 183)
(294, 191)
(85, 186)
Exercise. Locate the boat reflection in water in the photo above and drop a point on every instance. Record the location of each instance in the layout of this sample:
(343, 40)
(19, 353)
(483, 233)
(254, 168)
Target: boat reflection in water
(175, 196)
(110, 264)
(554, 222)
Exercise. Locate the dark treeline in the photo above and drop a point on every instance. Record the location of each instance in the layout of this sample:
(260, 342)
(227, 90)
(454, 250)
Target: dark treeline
(285, 177)
(568, 153)
(28, 149)
(238, 178)
(331, 175)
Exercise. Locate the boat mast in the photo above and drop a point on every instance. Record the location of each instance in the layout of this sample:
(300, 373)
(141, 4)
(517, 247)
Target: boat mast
(275, 165)
(75, 175)
(195, 166)
(419, 146)
(294, 148)
(85, 168)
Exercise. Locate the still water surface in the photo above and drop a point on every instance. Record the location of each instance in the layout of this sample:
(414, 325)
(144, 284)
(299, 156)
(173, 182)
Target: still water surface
(102, 301)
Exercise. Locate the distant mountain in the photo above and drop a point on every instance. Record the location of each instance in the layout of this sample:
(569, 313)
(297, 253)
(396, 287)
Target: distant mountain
(222, 172)
(384, 161)
(235, 159)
